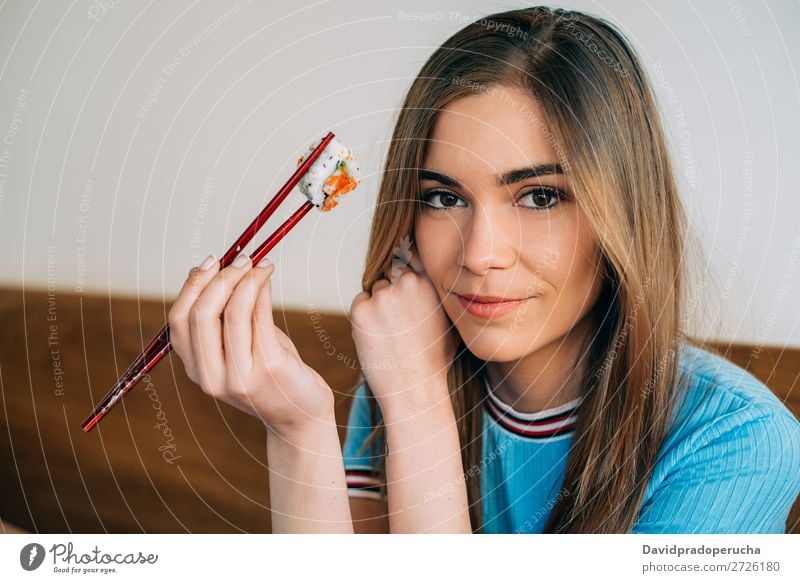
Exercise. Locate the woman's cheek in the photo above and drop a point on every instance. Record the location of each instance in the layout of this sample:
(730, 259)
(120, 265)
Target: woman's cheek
(580, 285)
(436, 250)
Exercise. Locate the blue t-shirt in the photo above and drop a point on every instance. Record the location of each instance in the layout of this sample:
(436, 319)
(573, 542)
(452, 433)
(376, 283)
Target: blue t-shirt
(730, 462)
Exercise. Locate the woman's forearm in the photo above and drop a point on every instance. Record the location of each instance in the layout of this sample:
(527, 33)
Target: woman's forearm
(308, 491)
(426, 489)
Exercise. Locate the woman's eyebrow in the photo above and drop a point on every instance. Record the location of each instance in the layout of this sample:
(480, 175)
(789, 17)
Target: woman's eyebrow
(521, 174)
(509, 177)
(425, 174)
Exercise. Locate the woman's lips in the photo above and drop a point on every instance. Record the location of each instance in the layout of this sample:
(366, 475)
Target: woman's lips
(490, 309)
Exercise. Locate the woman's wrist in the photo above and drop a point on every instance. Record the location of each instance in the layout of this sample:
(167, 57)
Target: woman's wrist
(298, 428)
(308, 489)
(307, 441)
(424, 457)
(408, 402)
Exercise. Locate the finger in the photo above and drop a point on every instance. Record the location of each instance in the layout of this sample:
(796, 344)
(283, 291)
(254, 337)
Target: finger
(361, 296)
(238, 321)
(266, 344)
(286, 342)
(178, 317)
(355, 305)
(205, 324)
(379, 285)
(415, 263)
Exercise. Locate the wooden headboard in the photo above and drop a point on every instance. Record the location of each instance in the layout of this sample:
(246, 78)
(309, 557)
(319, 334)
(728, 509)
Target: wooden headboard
(169, 458)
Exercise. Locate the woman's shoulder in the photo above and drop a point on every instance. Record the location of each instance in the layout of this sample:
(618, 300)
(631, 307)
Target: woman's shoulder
(721, 405)
(731, 460)
(713, 387)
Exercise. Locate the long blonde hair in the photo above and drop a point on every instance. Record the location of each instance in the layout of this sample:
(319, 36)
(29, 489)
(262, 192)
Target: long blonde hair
(605, 128)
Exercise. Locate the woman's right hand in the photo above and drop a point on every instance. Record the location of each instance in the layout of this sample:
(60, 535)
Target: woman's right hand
(222, 329)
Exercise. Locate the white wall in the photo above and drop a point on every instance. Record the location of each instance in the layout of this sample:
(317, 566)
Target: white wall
(106, 189)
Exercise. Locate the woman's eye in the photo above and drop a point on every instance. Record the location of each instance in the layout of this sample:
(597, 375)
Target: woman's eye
(441, 199)
(542, 199)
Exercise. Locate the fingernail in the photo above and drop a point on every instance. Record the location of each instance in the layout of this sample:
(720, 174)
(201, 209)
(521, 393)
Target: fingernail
(209, 261)
(264, 263)
(241, 260)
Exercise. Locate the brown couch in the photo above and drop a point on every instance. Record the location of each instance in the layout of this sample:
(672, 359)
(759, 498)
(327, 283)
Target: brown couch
(169, 458)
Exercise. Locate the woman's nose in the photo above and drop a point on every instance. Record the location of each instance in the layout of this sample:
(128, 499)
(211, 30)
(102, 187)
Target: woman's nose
(490, 240)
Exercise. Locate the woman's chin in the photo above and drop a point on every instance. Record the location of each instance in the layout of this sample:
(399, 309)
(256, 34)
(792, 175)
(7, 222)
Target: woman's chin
(495, 345)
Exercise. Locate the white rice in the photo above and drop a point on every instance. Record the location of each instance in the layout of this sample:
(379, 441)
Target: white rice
(336, 157)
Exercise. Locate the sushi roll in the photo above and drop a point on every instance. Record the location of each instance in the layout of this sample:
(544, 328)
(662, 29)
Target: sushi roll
(331, 175)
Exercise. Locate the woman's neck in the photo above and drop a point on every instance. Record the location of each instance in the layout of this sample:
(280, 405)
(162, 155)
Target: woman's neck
(543, 379)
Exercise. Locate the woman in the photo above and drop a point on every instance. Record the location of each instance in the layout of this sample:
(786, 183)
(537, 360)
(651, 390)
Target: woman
(528, 370)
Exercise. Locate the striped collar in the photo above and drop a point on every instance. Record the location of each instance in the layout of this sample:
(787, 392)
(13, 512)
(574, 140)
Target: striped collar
(547, 423)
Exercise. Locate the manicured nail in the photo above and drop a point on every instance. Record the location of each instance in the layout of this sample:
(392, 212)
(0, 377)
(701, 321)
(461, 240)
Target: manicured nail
(241, 260)
(209, 261)
(264, 263)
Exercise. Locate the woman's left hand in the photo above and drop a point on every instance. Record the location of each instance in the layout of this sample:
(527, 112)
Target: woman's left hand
(403, 337)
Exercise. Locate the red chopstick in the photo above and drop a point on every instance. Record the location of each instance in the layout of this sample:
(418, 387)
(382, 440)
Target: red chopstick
(160, 345)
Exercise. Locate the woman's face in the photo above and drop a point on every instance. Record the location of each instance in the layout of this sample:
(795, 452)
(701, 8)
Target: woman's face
(498, 219)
